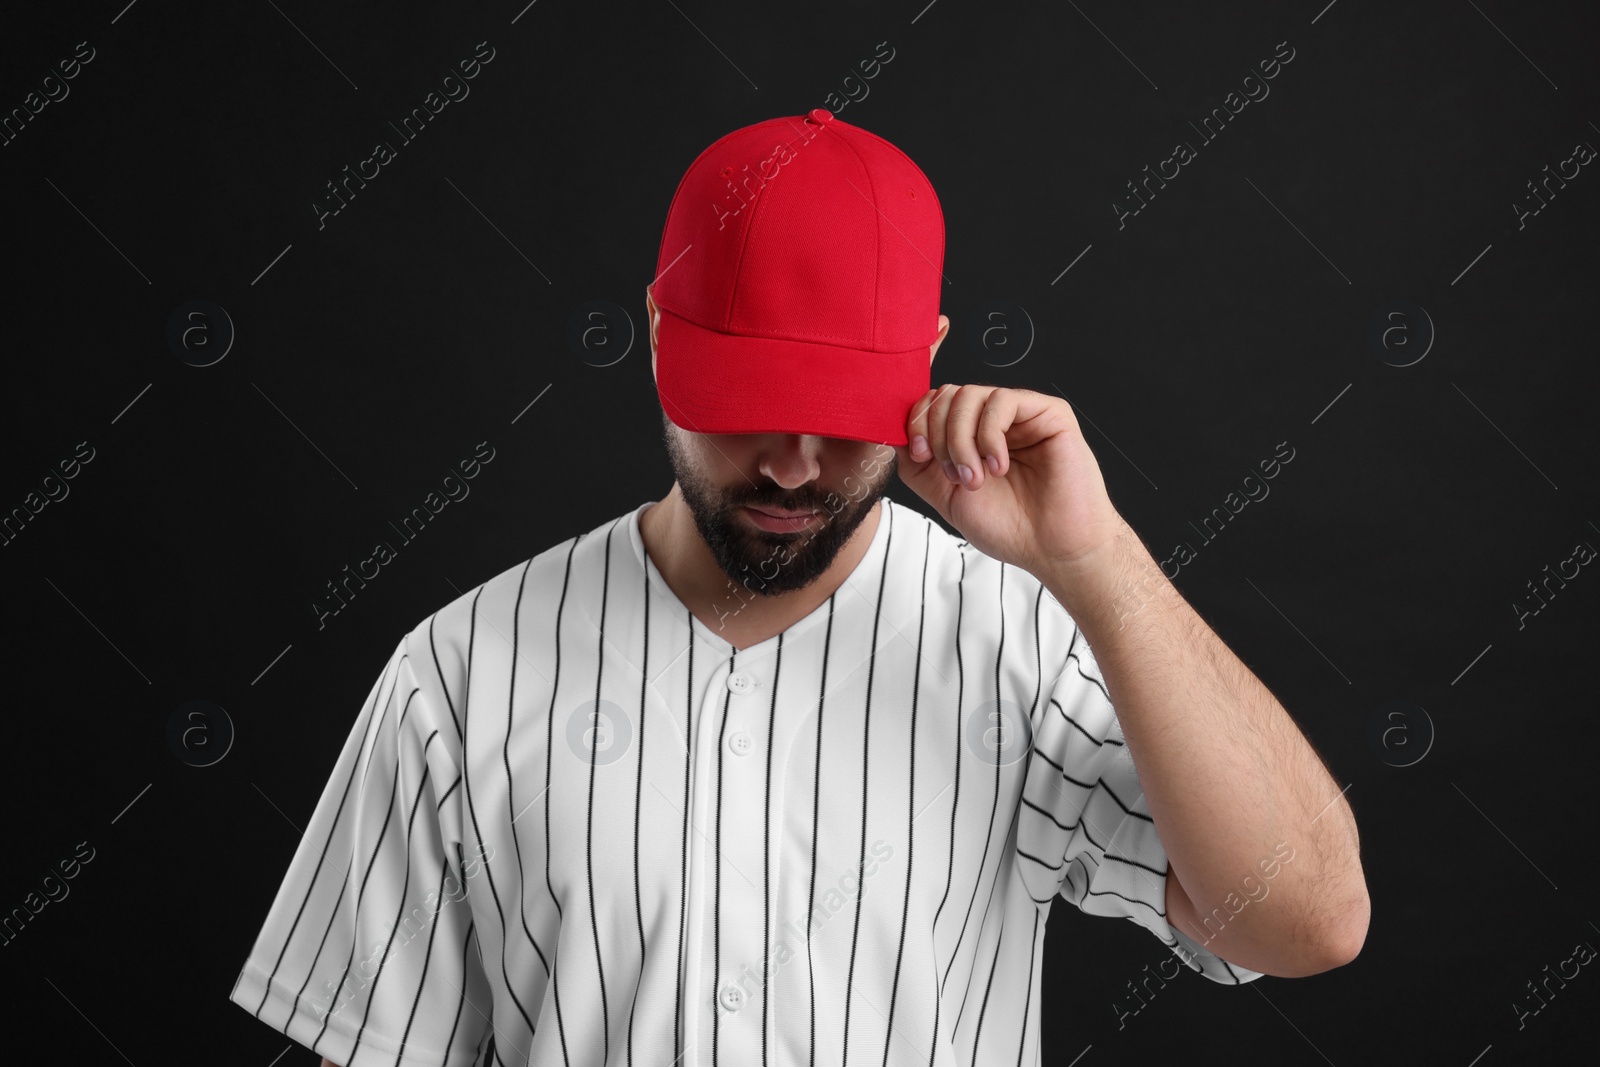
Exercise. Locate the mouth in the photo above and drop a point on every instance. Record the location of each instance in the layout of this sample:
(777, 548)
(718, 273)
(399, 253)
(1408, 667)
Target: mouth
(781, 513)
(775, 520)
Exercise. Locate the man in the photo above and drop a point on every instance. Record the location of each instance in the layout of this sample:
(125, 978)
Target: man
(777, 770)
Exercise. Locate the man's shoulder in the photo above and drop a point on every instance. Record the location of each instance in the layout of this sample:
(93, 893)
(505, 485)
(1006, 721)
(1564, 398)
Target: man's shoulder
(493, 601)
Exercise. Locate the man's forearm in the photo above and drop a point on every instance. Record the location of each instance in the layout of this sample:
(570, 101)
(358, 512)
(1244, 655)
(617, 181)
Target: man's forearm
(1226, 771)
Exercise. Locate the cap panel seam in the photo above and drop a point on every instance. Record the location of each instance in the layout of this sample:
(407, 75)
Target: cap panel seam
(749, 231)
(916, 169)
(877, 273)
(684, 181)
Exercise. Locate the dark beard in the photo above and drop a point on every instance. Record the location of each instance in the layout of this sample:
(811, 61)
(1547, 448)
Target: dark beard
(770, 564)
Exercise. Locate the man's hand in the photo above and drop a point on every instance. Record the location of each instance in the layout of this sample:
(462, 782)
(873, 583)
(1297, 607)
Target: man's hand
(1034, 497)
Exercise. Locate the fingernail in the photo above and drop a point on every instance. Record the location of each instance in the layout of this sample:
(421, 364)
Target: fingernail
(919, 445)
(993, 463)
(966, 473)
(949, 469)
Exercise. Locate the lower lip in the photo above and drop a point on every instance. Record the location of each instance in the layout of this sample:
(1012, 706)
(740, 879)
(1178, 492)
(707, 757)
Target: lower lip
(773, 524)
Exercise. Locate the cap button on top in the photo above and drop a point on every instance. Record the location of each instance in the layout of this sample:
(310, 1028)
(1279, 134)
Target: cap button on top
(819, 115)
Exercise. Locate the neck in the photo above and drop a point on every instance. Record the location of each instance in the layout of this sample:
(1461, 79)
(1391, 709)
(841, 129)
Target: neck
(677, 550)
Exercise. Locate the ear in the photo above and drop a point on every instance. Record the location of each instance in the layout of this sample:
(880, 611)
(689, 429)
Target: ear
(652, 318)
(944, 328)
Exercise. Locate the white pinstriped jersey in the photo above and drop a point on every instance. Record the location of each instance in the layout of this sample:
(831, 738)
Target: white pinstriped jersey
(572, 824)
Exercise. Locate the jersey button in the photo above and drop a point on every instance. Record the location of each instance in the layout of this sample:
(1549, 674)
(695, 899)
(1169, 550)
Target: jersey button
(732, 997)
(740, 682)
(739, 742)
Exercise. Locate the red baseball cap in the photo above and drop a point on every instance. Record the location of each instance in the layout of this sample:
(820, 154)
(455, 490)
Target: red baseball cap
(798, 282)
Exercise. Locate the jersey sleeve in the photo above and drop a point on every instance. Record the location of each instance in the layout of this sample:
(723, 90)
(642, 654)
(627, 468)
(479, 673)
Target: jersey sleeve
(368, 954)
(1084, 830)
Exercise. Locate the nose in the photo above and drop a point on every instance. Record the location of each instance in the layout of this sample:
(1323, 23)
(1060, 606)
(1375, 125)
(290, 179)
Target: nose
(792, 459)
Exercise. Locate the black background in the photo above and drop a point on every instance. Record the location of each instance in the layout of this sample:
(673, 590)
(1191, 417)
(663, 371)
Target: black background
(373, 353)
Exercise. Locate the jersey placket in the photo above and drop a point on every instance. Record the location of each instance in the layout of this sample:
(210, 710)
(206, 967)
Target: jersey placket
(729, 892)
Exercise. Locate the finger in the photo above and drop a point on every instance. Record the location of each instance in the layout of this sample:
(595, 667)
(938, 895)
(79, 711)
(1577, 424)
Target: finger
(993, 422)
(960, 431)
(917, 428)
(938, 412)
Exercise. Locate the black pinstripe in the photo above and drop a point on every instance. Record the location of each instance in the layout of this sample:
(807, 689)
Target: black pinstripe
(857, 727)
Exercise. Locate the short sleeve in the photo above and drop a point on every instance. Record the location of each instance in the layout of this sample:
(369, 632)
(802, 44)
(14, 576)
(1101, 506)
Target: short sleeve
(369, 954)
(1084, 830)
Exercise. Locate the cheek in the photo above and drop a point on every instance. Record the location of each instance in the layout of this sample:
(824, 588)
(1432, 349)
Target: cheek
(730, 465)
(874, 467)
